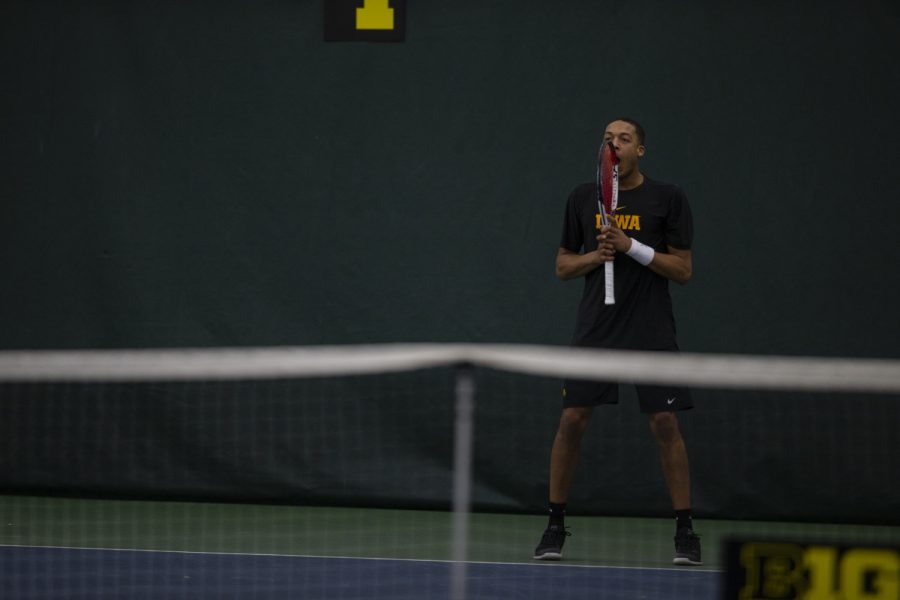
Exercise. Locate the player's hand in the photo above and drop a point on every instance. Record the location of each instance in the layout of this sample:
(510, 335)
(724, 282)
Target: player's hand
(605, 250)
(612, 234)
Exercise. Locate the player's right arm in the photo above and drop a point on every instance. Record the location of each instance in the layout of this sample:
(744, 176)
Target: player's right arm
(572, 264)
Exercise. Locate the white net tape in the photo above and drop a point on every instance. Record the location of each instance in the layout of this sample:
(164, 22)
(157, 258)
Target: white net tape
(694, 370)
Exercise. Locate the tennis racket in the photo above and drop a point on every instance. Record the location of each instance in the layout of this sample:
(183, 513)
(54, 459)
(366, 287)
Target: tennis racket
(607, 200)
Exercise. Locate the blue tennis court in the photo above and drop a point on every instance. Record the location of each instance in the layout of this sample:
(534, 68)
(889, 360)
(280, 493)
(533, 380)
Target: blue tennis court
(91, 548)
(44, 572)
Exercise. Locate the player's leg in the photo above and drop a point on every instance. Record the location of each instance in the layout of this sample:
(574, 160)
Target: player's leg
(563, 461)
(673, 458)
(674, 461)
(579, 399)
(661, 402)
(566, 451)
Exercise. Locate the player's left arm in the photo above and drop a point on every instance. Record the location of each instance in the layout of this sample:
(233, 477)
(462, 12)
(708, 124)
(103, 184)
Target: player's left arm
(674, 264)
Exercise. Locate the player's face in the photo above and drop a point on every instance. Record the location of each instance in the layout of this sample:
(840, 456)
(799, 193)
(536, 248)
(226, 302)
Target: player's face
(625, 140)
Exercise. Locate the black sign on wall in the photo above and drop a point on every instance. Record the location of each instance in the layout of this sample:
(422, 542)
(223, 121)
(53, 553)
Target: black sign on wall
(365, 20)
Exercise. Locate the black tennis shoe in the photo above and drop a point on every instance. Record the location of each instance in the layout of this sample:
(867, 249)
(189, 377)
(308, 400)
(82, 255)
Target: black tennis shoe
(551, 544)
(687, 548)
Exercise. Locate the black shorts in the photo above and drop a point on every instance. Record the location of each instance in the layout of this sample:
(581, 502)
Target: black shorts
(651, 398)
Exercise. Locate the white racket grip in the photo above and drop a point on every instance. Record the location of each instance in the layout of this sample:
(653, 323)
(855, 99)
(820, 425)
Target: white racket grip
(610, 290)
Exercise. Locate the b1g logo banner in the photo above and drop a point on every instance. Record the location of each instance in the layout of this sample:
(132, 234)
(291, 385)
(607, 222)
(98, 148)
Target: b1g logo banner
(365, 20)
(757, 570)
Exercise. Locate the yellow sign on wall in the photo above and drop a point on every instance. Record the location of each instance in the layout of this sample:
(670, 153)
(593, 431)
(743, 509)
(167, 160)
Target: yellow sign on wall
(763, 570)
(365, 20)
(375, 15)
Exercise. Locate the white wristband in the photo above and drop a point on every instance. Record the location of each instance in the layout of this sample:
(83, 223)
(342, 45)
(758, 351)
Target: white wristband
(641, 252)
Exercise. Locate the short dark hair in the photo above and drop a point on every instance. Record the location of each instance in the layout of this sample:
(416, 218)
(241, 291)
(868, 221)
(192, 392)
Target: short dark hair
(638, 128)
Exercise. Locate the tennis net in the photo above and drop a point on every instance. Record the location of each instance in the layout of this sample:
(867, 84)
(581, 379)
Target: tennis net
(421, 471)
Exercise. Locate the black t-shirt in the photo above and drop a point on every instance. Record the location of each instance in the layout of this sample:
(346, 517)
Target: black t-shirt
(656, 214)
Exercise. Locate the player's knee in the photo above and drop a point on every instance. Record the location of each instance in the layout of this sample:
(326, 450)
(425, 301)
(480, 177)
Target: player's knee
(574, 421)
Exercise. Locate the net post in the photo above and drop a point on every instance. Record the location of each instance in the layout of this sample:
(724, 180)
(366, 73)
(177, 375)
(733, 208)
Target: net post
(462, 475)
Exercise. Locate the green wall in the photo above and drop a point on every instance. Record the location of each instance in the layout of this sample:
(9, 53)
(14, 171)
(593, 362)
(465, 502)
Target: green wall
(206, 174)
(191, 173)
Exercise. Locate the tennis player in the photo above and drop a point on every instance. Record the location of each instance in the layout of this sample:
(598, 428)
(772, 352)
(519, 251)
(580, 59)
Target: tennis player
(649, 239)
